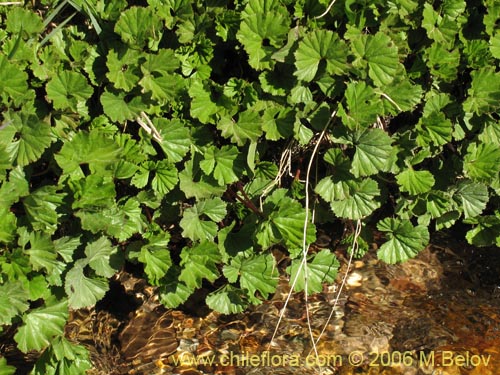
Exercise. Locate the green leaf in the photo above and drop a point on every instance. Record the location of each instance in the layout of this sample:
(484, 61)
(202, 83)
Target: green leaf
(176, 139)
(373, 152)
(196, 184)
(139, 27)
(24, 21)
(13, 85)
(94, 149)
(157, 260)
(228, 300)
(6, 369)
(98, 255)
(320, 46)
(13, 301)
(482, 162)
(42, 253)
(123, 69)
(405, 240)
(381, 54)
(263, 30)
(360, 199)
(30, 138)
(199, 262)
(69, 90)
(285, 224)
(320, 270)
(194, 227)
(41, 325)
(118, 109)
(256, 274)
(222, 163)
(174, 293)
(434, 128)
(83, 291)
(364, 106)
(486, 232)
(118, 221)
(474, 197)
(415, 182)
(165, 178)
(41, 207)
(484, 94)
(248, 127)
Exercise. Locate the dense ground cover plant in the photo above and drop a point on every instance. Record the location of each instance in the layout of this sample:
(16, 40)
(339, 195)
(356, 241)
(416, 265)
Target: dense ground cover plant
(176, 135)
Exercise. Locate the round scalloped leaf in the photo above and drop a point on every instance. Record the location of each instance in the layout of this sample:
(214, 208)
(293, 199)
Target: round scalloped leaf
(33, 137)
(139, 27)
(13, 301)
(373, 152)
(484, 93)
(69, 90)
(415, 182)
(364, 106)
(228, 300)
(320, 46)
(199, 262)
(41, 325)
(13, 84)
(482, 162)
(474, 197)
(322, 269)
(360, 202)
(382, 56)
(405, 240)
(263, 31)
(257, 273)
(83, 291)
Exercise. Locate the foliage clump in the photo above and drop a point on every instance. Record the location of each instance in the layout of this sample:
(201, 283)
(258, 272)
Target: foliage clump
(177, 135)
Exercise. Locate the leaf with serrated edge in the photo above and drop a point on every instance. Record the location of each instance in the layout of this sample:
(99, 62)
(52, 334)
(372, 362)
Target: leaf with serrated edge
(474, 197)
(41, 325)
(415, 182)
(405, 240)
(257, 273)
(199, 262)
(373, 152)
(321, 269)
(82, 290)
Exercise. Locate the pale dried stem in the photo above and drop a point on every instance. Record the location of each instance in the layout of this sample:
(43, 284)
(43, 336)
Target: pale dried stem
(305, 246)
(326, 11)
(145, 122)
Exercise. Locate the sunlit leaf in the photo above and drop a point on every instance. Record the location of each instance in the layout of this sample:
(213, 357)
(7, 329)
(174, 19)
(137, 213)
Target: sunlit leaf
(321, 268)
(263, 30)
(41, 325)
(68, 90)
(484, 94)
(373, 152)
(320, 46)
(221, 162)
(98, 255)
(361, 200)
(363, 106)
(405, 240)
(13, 301)
(228, 300)
(41, 207)
(482, 162)
(139, 27)
(382, 56)
(30, 137)
(199, 262)
(474, 197)
(415, 182)
(257, 273)
(83, 291)
(247, 127)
